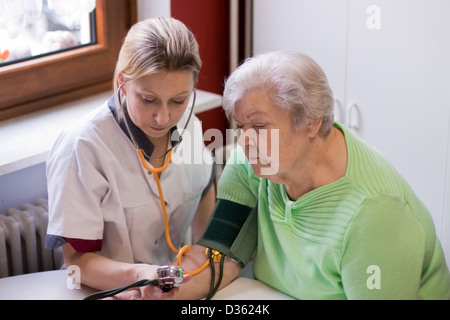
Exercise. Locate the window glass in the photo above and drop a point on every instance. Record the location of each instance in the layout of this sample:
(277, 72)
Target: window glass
(32, 28)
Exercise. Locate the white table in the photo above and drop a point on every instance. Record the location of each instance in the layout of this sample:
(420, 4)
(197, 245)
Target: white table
(56, 285)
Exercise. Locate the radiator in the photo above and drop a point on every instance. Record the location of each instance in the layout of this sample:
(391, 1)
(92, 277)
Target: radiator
(22, 238)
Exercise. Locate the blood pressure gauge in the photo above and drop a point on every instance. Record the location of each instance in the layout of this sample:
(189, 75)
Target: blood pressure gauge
(169, 277)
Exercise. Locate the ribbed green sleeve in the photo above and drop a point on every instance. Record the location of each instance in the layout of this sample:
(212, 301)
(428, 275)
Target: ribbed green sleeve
(383, 251)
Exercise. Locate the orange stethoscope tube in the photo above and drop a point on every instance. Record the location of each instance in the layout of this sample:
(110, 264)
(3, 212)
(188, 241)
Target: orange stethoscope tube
(186, 248)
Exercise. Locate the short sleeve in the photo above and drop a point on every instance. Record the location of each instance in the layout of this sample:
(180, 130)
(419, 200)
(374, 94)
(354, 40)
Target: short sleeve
(77, 190)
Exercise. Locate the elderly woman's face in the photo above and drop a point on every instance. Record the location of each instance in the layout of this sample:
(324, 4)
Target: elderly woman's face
(268, 137)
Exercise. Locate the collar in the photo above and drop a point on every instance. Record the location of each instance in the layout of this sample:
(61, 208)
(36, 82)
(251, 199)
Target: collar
(139, 136)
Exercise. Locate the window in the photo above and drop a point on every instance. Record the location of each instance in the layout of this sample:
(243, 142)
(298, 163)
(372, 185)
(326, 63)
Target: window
(32, 28)
(82, 69)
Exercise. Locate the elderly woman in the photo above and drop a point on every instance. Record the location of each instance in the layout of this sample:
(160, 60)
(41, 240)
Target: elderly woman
(335, 219)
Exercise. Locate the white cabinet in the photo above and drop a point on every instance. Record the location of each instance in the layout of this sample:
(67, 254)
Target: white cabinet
(446, 216)
(388, 63)
(399, 75)
(316, 27)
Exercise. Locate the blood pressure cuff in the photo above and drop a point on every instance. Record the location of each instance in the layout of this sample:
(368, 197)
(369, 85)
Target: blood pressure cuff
(232, 230)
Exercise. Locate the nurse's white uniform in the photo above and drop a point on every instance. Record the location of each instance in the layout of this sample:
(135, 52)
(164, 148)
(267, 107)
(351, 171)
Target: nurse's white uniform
(99, 190)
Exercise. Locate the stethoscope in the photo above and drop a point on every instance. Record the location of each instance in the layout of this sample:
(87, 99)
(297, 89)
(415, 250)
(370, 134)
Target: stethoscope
(215, 255)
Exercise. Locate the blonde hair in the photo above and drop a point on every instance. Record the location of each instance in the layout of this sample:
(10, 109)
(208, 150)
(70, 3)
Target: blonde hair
(157, 44)
(293, 80)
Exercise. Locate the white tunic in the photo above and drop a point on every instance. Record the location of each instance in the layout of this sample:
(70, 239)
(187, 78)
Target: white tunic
(99, 190)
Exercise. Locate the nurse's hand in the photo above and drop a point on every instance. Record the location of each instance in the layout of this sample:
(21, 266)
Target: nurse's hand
(155, 293)
(150, 292)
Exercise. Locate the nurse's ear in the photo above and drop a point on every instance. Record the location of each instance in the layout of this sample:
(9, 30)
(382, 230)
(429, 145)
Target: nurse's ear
(122, 85)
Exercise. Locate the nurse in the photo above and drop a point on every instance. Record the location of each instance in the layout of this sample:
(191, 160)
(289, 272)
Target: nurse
(104, 206)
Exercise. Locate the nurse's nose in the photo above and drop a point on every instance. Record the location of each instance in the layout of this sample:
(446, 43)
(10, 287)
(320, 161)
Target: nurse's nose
(162, 115)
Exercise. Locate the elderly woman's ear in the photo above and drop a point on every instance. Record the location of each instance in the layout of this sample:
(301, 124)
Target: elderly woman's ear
(314, 127)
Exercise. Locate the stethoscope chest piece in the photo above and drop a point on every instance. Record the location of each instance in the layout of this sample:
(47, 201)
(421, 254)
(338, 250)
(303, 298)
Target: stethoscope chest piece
(169, 277)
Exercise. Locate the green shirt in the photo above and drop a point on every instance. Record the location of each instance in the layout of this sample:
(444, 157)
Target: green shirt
(365, 236)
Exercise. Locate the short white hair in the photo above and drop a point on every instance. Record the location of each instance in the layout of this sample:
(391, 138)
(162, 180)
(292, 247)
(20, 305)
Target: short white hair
(294, 81)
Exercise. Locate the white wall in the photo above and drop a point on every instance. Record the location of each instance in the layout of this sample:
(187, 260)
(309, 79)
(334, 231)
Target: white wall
(22, 186)
(153, 8)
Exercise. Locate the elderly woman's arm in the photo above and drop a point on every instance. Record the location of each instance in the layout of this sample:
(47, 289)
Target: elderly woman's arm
(198, 286)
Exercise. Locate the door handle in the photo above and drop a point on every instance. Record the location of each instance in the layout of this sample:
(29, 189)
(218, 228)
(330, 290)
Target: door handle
(353, 117)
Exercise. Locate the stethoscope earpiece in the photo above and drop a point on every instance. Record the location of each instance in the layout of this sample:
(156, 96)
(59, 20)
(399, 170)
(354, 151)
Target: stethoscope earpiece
(122, 89)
